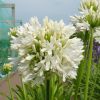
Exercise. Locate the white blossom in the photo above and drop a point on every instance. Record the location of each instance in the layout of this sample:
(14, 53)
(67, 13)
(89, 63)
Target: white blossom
(79, 23)
(89, 15)
(87, 4)
(90, 9)
(47, 47)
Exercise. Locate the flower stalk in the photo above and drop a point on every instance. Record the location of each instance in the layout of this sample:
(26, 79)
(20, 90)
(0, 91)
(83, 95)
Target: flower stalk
(89, 65)
(47, 82)
(23, 86)
(81, 67)
(96, 71)
(47, 89)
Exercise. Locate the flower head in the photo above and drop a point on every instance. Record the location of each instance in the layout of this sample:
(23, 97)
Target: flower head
(89, 18)
(80, 23)
(91, 12)
(88, 4)
(47, 47)
(7, 68)
(89, 15)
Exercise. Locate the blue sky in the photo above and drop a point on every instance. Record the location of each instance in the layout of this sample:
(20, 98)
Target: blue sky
(55, 9)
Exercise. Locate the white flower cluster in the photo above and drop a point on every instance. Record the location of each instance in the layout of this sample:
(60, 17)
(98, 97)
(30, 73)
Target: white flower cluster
(46, 47)
(90, 18)
(80, 23)
(91, 11)
(89, 4)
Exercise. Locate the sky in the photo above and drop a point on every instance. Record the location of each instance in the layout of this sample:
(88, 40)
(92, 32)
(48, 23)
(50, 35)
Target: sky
(54, 9)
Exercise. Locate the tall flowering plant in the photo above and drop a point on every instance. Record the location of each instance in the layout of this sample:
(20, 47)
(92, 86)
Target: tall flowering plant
(46, 49)
(59, 60)
(88, 24)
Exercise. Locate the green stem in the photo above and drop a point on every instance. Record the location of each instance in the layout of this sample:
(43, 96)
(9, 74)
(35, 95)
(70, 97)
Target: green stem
(93, 86)
(89, 65)
(47, 89)
(23, 86)
(47, 81)
(81, 67)
(9, 85)
(80, 74)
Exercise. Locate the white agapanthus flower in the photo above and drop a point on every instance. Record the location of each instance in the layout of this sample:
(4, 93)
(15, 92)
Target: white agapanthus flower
(90, 9)
(89, 18)
(79, 23)
(87, 4)
(46, 47)
(89, 15)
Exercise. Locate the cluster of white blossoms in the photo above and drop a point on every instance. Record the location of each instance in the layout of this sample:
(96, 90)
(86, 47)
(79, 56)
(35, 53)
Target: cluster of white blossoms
(80, 23)
(91, 11)
(46, 47)
(89, 18)
(90, 14)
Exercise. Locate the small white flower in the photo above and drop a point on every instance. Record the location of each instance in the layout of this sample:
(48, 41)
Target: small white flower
(29, 57)
(80, 23)
(82, 26)
(27, 77)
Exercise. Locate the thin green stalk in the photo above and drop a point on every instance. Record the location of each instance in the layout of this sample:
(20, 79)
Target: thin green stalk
(80, 74)
(81, 68)
(9, 85)
(51, 87)
(47, 89)
(23, 86)
(93, 86)
(89, 66)
(47, 83)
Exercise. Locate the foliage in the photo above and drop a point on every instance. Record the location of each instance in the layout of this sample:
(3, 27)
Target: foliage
(50, 55)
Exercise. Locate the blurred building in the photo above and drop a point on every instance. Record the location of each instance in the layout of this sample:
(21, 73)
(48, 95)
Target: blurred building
(7, 21)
